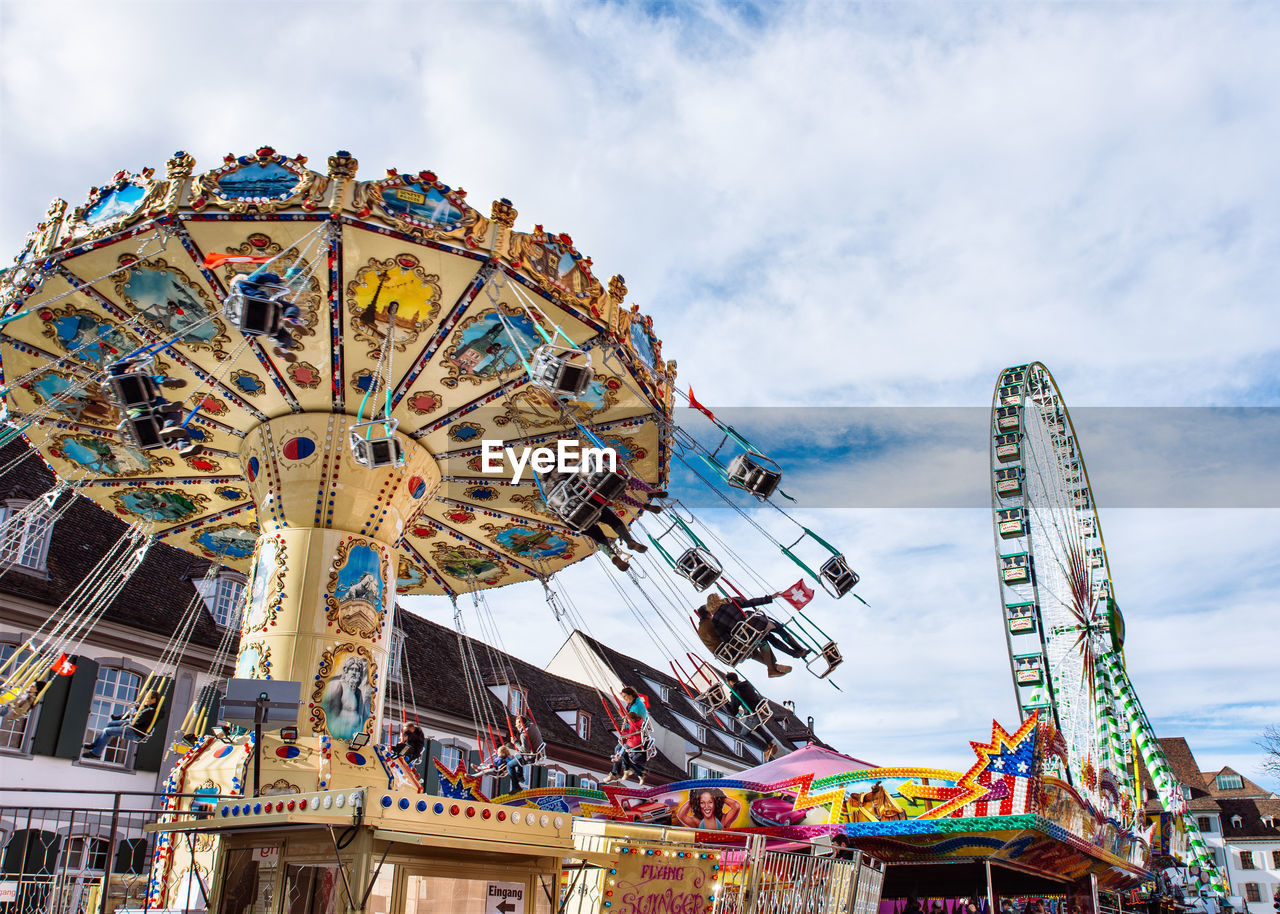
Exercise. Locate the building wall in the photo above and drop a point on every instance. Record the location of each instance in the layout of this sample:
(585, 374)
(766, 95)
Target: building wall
(48, 757)
(1265, 873)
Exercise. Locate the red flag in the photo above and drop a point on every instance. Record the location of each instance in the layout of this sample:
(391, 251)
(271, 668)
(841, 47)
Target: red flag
(214, 261)
(798, 595)
(693, 402)
(63, 666)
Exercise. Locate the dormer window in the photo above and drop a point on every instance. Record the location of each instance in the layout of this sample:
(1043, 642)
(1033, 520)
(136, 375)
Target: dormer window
(224, 596)
(395, 663)
(1237, 822)
(1269, 821)
(584, 725)
(516, 701)
(1229, 782)
(25, 530)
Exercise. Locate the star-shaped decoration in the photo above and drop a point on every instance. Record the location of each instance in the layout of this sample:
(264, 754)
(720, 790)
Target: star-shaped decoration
(1003, 753)
(457, 784)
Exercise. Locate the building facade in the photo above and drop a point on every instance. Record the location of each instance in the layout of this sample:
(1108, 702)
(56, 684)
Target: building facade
(1240, 823)
(47, 556)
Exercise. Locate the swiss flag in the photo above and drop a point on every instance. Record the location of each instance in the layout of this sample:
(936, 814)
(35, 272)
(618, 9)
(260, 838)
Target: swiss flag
(693, 402)
(63, 666)
(797, 594)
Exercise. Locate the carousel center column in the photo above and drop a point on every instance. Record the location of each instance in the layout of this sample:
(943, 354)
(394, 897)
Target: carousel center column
(322, 589)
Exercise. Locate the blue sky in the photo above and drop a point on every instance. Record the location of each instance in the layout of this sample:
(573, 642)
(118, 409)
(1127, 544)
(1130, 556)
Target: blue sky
(822, 205)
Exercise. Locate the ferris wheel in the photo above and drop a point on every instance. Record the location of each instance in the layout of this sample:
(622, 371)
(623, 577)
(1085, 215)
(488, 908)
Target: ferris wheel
(1064, 630)
(1061, 623)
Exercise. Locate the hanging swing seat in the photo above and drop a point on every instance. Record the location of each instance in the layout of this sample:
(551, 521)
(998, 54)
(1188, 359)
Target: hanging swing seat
(648, 745)
(132, 389)
(571, 501)
(374, 451)
(553, 368)
(137, 393)
(606, 485)
(257, 308)
(143, 722)
(837, 577)
(699, 566)
(579, 500)
(755, 473)
(537, 757)
(713, 698)
(741, 643)
(826, 660)
(757, 718)
(143, 432)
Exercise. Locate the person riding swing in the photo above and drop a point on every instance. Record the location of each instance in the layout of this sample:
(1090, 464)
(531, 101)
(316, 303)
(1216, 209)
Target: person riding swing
(133, 726)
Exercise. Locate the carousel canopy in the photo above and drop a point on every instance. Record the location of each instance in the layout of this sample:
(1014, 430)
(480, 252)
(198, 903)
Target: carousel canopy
(148, 261)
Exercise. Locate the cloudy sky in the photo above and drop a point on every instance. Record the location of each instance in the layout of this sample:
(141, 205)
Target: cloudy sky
(826, 207)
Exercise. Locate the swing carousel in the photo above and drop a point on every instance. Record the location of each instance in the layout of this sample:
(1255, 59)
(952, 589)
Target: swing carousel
(327, 443)
(339, 387)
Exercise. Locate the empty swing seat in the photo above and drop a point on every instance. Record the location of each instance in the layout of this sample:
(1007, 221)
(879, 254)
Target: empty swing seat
(557, 373)
(829, 656)
(699, 566)
(376, 450)
(754, 472)
(757, 718)
(837, 577)
(713, 698)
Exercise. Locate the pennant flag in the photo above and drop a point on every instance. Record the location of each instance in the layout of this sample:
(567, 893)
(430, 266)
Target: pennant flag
(213, 261)
(693, 402)
(798, 595)
(63, 666)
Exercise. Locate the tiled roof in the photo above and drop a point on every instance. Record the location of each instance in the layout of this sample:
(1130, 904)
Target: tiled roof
(1183, 765)
(153, 599)
(1250, 812)
(432, 656)
(1248, 789)
(784, 725)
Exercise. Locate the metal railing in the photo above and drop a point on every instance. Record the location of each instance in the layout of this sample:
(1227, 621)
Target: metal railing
(91, 858)
(774, 882)
(753, 880)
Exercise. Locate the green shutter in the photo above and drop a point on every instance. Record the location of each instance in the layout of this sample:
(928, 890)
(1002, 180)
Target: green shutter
(151, 752)
(75, 717)
(131, 857)
(32, 852)
(432, 782)
(537, 777)
(49, 717)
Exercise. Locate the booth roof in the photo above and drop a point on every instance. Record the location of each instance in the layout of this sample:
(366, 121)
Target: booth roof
(821, 761)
